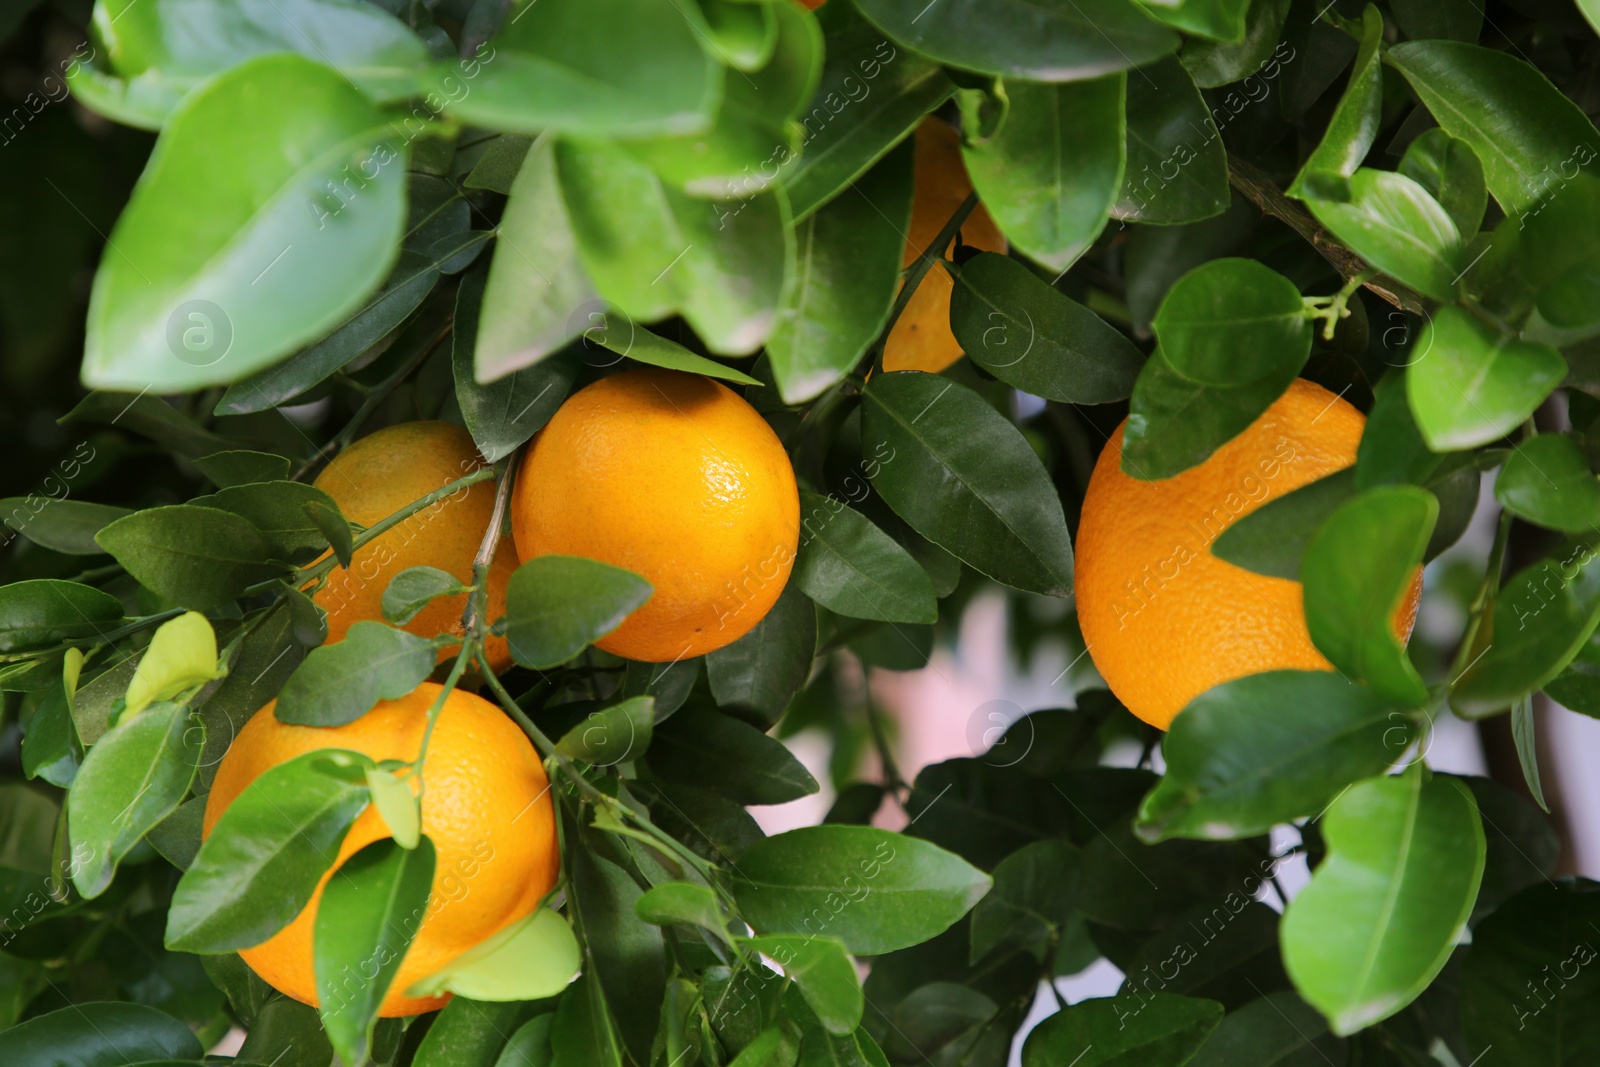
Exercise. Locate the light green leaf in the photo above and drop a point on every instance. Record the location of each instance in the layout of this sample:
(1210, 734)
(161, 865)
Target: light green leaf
(1470, 385)
(182, 654)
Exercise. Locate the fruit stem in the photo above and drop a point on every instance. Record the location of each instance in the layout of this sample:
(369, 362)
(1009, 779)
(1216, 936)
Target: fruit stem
(1482, 604)
(924, 263)
(472, 621)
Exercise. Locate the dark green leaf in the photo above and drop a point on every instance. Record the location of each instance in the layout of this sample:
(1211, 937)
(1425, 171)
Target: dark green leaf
(764, 669)
(1358, 570)
(555, 605)
(149, 416)
(470, 1033)
(199, 557)
(1233, 322)
(278, 510)
(706, 748)
(1224, 950)
(365, 922)
(1034, 891)
(1272, 539)
(130, 781)
(1449, 170)
(874, 890)
(824, 973)
(60, 525)
(1159, 1030)
(1522, 733)
(1052, 173)
(98, 1034)
(627, 958)
(1547, 481)
(684, 903)
(1558, 252)
(848, 261)
(241, 467)
(1392, 451)
(1059, 42)
(1456, 20)
(1522, 845)
(1355, 121)
(852, 568)
(44, 611)
(1176, 171)
(499, 165)
(341, 682)
(617, 734)
(1386, 907)
(582, 1034)
(1222, 20)
(222, 269)
(1024, 332)
(266, 657)
(413, 589)
(628, 338)
(177, 837)
(1260, 51)
(267, 853)
(966, 480)
(1278, 1030)
(1397, 227)
(1470, 385)
(1269, 748)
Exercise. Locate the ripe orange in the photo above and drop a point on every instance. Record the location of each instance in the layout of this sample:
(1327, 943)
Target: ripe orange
(921, 338)
(674, 477)
(486, 807)
(1163, 618)
(379, 475)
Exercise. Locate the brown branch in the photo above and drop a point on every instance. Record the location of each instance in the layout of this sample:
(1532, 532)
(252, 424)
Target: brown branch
(1260, 191)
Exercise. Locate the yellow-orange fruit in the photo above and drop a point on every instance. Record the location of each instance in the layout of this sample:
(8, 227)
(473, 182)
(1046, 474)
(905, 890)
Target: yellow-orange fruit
(486, 807)
(921, 338)
(1163, 617)
(674, 477)
(379, 475)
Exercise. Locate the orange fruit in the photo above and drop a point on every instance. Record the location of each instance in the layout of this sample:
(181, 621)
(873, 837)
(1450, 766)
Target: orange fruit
(921, 338)
(486, 807)
(382, 473)
(674, 477)
(1163, 618)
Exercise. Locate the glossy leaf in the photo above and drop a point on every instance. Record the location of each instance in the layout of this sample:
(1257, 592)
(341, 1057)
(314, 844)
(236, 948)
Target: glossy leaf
(685, 903)
(1158, 1030)
(615, 734)
(1260, 51)
(1450, 171)
(1176, 171)
(824, 973)
(1051, 174)
(67, 526)
(397, 804)
(1026, 333)
(1356, 119)
(529, 960)
(181, 655)
(283, 513)
(1272, 539)
(852, 568)
(45, 611)
(1547, 481)
(1470, 386)
(469, 1033)
(1053, 42)
(627, 338)
(98, 1033)
(1034, 891)
(1278, 1030)
(878, 891)
(339, 683)
(764, 669)
(1524, 736)
(1358, 569)
(199, 557)
(1233, 322)
(626, 959)
(133, 778)
(1398, 228)
(966, 480)
(219, 275)
(1558, 252)
(267, 853)
(555, 605)
(413, 589)
(707, 748)
(1384, 910)
(1265, 749)
(365, 922)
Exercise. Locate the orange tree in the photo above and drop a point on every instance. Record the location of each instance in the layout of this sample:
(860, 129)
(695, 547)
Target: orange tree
(343, 710)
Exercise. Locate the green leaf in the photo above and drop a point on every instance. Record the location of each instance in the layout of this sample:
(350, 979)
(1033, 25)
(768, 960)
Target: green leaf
(1397, 227)
(627, 958)
(1392, 451)
(1232, 322)
(847, 269)
(843, 140)
(1558, 253)
(1034, 891)
(1527, 983)
(1456, 20)
(221, 268)
(398, 805)
(1356, 119)
(1049, 42)
(1278, 1030)
(582, 1033)
(470, 1033)
(1358, 568)
(1176, 172)
(601, 68)
(765, 668)
(530, 1046)
(160, 54)
(529, 960)
(537, 296)
(651, 250)
(44, 611)
(1269, 748)
(133, 778)
(825, 974)
(181, 655)
(1158, 1030)
(60, 525)
(1547, 481)
(1051, 174)
(267, 853)
(197, 557)
(1386, 907)
(1174, 423)
(503, 414)
(877, 891)
(339, 683)
(242, 467)
(706, 748)
(555, 605)
(1470, 385)
(852, 568)
(1272, 539)
(365, 922)
(966, 480)
(51, 749)
(627, 338)
(617, 734)
(1024, 332)
(1519, 124)
(280, 512)
(98, 1034)
(1259, 51)
(266, 657)
(743, 34)
(413, 588)
(1523, 734)
(1222, 20)
(1543, 617)
(1450, 171)
(684, 903)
